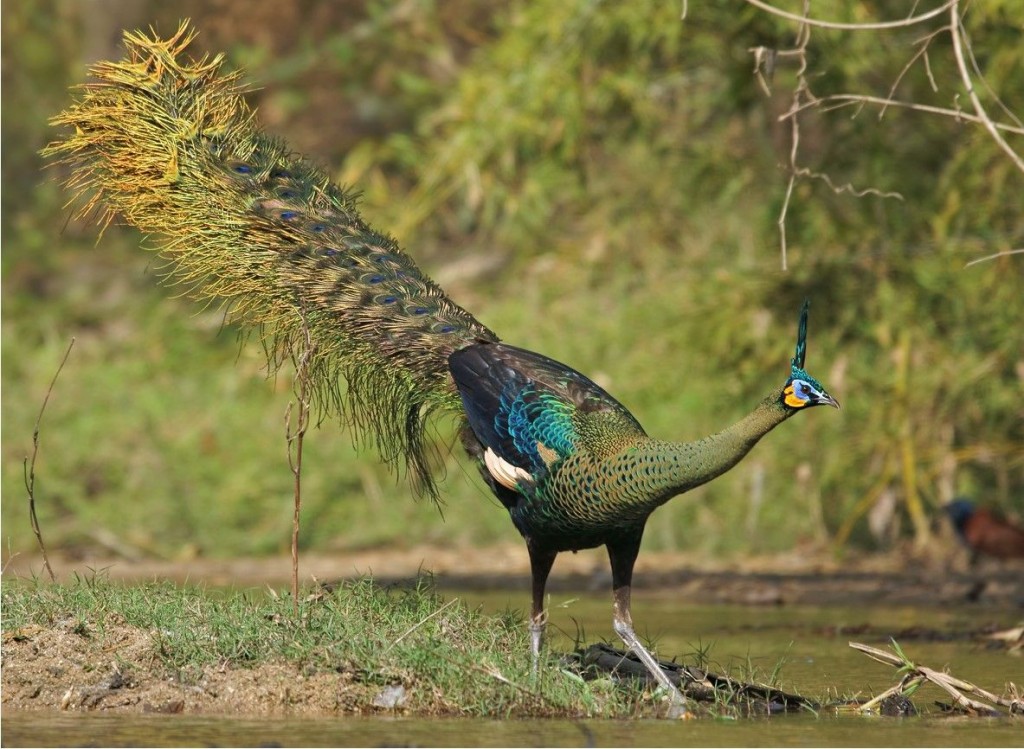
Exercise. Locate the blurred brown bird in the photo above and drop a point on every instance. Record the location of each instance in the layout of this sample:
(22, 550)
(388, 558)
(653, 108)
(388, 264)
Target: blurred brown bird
(985, 531)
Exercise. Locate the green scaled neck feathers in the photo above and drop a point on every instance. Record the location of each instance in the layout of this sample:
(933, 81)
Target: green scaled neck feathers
(671, 468)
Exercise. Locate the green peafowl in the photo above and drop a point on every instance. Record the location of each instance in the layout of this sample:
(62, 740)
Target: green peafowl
(170, 146)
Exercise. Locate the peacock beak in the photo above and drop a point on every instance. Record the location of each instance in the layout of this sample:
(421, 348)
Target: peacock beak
(824, 399)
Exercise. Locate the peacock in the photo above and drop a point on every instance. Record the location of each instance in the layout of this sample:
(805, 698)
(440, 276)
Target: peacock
(169, 145)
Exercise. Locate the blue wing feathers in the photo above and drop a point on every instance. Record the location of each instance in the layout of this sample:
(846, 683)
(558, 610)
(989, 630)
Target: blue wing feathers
(529, 418)
(523, 405)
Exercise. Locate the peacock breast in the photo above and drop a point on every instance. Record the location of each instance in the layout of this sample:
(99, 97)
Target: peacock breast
(584, 502)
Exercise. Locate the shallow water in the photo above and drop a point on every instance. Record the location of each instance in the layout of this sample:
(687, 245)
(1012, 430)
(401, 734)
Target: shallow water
(47, 729)
(811, 642)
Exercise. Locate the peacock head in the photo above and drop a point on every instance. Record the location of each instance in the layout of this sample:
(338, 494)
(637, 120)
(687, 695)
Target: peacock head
(802, 390)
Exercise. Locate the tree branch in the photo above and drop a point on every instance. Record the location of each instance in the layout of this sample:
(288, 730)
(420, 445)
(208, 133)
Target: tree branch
(959, 39)
(881, 25)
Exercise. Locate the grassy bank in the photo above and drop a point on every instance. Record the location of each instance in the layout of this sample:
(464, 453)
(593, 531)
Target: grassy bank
(363, 648)
(360, 648)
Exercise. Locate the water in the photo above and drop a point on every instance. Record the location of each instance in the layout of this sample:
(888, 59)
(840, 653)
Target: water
(62, 729)
(809, 642)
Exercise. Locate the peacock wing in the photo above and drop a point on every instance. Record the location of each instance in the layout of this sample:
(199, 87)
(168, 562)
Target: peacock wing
(529, 411)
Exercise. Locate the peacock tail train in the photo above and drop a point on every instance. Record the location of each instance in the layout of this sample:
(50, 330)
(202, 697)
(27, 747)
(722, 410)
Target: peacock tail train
(171, 147)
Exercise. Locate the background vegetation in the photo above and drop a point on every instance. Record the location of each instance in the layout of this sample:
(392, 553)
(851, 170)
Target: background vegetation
(597, 181)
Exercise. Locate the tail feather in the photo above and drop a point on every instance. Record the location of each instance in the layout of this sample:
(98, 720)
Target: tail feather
(171, 147)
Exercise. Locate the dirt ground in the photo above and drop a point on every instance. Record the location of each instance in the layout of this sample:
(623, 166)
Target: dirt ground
(61, 668)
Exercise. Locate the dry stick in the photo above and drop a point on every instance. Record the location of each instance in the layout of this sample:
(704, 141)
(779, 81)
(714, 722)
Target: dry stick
(961, 45)
(908, 682)
(29, 467)
(295, 441)
(919, 674)
(920, 54)
(992, 257)
(847, 187)
(959, 34)
(984, 82)
(881, 25)
(802, 88)
(419, 624)
(804, 98)
(846, 100)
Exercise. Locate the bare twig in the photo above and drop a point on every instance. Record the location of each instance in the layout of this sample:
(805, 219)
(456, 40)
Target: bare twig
(906, 685)
(847, 187)
(29, 466)
(764, 67)
(1019, 251)
(915, 675)
(846, 100)
(881, 25)
(803, 98)
(802, 93)
(959, 34)
(419, 624)
(882, 656)
(984, 82)
(920, 54)
(295, 440)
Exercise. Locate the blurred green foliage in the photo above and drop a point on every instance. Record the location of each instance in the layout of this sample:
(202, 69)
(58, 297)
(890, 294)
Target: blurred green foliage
(596, 181)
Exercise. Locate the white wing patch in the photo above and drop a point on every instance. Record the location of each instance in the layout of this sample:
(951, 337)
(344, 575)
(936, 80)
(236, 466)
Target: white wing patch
(504, 472)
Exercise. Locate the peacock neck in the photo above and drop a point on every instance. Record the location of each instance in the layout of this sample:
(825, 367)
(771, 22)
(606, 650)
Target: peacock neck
(677, 467)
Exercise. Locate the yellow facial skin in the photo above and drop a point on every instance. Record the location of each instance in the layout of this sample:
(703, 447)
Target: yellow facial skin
(790, 398)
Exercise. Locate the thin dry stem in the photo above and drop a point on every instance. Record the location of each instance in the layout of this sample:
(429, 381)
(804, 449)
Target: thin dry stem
(905, 684)
(847, 187)
(922, 53)
(29, 466)
(295, 440)
(846, 100)
(879, 26)
(803, 98)
(1018, 251)
(916, 675)
(802, 90)
(419, 624)
(959, 34)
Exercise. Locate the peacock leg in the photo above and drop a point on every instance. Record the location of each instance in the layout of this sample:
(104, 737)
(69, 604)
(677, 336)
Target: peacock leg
(541, 561)
(623, 557)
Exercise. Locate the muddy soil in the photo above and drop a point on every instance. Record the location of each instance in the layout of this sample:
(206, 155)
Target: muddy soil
(62, 667)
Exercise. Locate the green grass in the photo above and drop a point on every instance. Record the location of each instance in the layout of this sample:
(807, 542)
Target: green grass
(449, 658)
